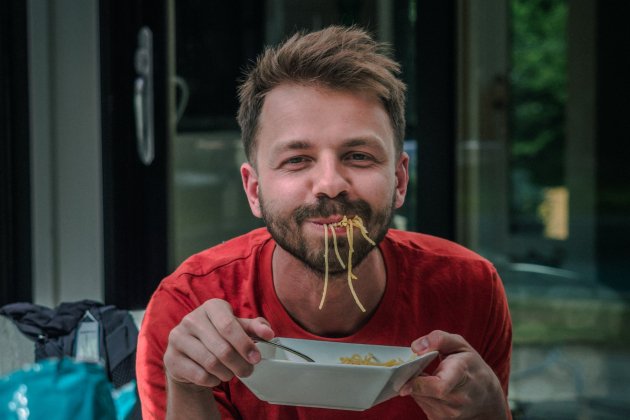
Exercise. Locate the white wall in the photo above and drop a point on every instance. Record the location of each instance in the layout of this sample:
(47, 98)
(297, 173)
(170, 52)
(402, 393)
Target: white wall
(65, 151)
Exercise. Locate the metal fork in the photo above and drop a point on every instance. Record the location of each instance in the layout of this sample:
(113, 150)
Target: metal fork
(283, 347)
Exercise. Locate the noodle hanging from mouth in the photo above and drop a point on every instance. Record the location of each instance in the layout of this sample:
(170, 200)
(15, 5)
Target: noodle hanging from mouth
(349, 224)
(321, 303)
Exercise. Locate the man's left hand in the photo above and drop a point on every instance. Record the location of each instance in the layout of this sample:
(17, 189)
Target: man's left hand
(463, 386)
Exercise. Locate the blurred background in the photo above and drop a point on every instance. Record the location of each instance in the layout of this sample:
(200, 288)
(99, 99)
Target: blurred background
(120, 157)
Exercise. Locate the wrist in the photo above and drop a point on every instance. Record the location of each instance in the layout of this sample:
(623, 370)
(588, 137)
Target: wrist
(189, 401)
(173, 385)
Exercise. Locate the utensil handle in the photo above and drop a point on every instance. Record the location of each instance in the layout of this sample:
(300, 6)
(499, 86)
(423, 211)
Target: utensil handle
(289, 349)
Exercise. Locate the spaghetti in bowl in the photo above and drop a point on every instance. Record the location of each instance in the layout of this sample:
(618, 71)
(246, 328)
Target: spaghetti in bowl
(339, 370)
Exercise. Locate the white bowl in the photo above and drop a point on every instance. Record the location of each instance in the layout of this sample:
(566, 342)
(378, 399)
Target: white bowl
(283, 378)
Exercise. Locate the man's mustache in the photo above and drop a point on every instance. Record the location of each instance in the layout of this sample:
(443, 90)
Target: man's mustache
(325, 207)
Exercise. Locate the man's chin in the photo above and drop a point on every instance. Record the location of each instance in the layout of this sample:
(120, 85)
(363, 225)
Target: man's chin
(318, 266)
(332, 274)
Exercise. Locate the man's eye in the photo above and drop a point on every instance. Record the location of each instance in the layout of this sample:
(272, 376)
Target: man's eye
(358, 157)
(295, 160)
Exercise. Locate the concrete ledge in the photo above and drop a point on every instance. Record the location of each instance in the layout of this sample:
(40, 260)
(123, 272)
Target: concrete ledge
(16, 349)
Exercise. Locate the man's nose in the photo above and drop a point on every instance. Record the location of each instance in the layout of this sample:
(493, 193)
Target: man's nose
(330, 179)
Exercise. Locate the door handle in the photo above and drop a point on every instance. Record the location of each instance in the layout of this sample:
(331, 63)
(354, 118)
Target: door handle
(143, 96)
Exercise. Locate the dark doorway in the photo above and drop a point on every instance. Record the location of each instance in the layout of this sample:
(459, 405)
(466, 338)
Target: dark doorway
(15, 211)
(134, 187)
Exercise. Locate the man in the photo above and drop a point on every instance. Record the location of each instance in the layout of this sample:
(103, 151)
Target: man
(322, 119)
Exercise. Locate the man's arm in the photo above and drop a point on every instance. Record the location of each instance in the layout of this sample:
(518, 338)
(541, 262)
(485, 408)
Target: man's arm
(209, 346)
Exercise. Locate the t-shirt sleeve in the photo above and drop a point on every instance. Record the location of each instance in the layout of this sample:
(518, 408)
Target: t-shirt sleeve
(497, 349)
(165, 310)
(162, 314)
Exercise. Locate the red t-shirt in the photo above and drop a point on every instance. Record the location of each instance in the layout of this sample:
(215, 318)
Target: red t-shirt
(431, 284)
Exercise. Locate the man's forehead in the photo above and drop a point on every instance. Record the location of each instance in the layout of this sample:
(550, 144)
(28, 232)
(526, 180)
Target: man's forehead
(315, 103)
(283, 123)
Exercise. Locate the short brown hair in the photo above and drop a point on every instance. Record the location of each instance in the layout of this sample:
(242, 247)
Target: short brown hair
(339, 58)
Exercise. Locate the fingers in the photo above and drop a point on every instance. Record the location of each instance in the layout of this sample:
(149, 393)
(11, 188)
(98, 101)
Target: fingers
(258, 327)
(211, 345)
(184, 369)
(441, 386)
(185, 347)
(462, 385)
(454, 370)
(225, 337)
(465, 388)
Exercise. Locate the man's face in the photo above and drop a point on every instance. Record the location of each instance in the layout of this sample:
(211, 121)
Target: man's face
(321, 155)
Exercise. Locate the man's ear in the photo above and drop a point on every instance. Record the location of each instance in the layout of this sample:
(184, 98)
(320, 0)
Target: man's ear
(251, 185)
(402, 179)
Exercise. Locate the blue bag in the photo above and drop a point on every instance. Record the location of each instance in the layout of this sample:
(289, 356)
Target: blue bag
(61, 389)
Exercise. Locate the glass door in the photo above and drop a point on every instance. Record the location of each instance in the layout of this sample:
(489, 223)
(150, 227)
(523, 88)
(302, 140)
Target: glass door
(541, 194)
(212, 42)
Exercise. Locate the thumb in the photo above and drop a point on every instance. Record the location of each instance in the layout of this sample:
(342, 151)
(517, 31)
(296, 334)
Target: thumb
(440, 341)
(258, 327)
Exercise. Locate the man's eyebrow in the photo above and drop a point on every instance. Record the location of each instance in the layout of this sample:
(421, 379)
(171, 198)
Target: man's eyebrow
(364, 141)
(298, 144)
(292, 145)
(357, 142)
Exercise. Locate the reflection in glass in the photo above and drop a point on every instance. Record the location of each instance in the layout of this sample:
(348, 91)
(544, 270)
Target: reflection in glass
(213, 43)
(538, 83)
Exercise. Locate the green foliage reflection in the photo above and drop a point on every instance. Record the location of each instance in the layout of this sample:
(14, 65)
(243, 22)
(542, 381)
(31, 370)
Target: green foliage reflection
(538, 97)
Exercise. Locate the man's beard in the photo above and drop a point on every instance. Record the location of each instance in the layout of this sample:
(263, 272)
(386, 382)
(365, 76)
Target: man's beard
(288, 233)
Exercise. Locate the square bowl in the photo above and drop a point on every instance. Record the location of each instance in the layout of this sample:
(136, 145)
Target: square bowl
(284, 378)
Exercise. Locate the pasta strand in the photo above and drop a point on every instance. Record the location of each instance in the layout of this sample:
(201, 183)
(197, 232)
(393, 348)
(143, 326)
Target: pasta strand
(369, 359)
(350, 234)
(349, 224)
(321, 303)
(359, 223)
(332, 229)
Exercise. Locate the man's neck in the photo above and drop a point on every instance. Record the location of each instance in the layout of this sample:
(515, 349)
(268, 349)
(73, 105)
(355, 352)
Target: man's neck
(300, 291)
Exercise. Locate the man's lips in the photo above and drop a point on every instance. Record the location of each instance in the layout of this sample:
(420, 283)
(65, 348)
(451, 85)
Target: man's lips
(326, 220)
(321, 222)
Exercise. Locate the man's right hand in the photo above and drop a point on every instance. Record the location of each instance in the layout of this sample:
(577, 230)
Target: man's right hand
(210, 345)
